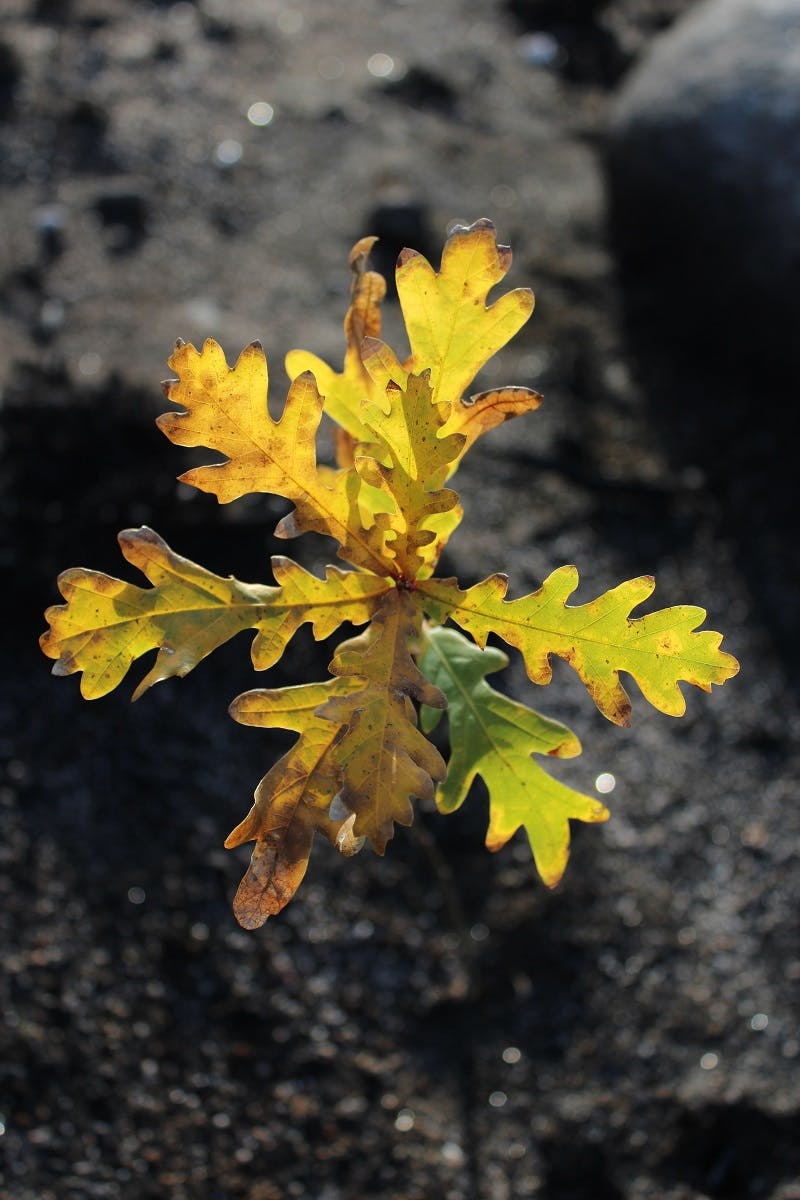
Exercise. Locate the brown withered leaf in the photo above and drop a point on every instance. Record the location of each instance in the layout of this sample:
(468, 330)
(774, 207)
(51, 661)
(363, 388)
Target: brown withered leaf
(292, 800)
(344, 390)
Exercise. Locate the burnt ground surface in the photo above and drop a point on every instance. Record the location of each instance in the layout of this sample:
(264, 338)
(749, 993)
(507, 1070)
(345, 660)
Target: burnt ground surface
(434, 1025)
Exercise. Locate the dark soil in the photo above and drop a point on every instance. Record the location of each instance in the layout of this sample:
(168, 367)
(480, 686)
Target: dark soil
(433, 1025)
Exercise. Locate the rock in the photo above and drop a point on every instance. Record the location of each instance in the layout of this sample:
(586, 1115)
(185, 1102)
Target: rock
(704, 172)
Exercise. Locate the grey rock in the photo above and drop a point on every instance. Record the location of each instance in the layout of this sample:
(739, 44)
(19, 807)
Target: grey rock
(704, 170)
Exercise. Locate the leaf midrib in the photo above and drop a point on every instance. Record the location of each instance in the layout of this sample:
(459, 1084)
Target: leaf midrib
(188, 610)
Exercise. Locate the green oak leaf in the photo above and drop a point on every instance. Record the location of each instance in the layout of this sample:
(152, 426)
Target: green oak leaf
(494, 737)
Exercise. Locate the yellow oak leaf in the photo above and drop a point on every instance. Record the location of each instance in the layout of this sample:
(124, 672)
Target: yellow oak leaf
(451, 330)
(598, 639)
(225, 409)
(384, 757)
(292, 800)
(469, 416)
(324, 603)
(410, 465)
(107, 624)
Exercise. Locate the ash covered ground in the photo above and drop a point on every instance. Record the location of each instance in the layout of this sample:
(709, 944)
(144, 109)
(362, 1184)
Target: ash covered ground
(434, 1024)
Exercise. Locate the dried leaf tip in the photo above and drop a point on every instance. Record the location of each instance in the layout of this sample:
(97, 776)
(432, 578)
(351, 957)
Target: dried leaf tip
(360, 252)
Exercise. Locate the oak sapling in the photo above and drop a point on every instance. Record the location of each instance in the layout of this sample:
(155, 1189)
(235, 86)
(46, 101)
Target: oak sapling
(402, 427)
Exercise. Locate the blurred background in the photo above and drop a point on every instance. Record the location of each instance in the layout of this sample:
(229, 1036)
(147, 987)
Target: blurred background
(434, 1025)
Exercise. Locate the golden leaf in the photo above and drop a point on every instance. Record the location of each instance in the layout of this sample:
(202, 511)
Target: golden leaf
(410, 465)
(598, 639)
(385, 760)
(107, 624)
(475, 415)
(225, 409)
(451, 330)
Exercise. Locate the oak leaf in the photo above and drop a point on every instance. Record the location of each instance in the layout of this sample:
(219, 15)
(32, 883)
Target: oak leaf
(225, 409)
(494, 737)
(472, 416)
(107, 624)
(385, 759)
(598, 639)
(452, 331)
(407, 437)
(291, 802)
